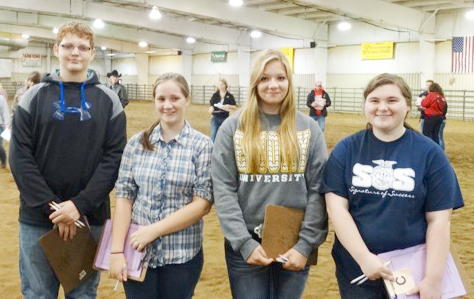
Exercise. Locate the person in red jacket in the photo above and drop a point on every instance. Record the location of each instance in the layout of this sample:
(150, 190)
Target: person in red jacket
(434, 104)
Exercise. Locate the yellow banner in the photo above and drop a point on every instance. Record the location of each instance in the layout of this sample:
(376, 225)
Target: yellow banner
(382, 50)
(290, 54)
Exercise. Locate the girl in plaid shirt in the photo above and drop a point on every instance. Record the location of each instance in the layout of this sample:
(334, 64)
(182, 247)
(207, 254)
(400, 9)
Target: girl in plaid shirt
(164, 184)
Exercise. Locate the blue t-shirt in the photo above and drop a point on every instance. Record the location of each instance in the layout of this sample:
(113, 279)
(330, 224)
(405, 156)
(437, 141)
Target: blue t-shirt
(389, 186)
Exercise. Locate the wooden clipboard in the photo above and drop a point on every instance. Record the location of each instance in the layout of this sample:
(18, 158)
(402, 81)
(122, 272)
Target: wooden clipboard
(71, 260)
(281, 228)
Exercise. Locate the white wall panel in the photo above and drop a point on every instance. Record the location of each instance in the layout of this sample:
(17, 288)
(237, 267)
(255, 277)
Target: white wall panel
(211, 80)
(304, 61)
(304, 80)
(361, 80)
(125, 66)
(449, 81)
(347, 59)
(443, 56)
(158, 65)
(202, 65)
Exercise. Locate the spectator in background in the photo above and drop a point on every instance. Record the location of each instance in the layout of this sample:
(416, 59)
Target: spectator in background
(418, 103)
(443, 124)
(33, 78)
(3, 92)
(317, 102)
(434, 104)
(4, 123)
(222, 101)
(118, 88)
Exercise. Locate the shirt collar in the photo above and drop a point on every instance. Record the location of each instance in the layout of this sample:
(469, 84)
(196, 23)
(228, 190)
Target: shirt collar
(157, 136)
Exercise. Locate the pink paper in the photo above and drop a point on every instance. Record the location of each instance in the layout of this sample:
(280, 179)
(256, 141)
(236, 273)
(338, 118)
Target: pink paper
(415, 259)
(133, 256)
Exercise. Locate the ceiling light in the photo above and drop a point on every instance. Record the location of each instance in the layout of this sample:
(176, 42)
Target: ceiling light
(143, 44)
(344, 26)
(110, 54)
(150, 52)
(155, 13)
(98, 23)
(255, 34)
(103, 48)
(236, 2)
(469, 15)
(191, 40)
(55, 30)
(25, 35)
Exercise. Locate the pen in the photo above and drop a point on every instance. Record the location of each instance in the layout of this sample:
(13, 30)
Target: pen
(363, 278)
(117, 283)
(57, 207)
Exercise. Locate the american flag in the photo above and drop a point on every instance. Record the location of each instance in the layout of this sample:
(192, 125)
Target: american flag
(463, 54)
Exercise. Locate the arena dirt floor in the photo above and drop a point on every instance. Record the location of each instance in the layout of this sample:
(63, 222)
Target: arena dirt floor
(213, 283)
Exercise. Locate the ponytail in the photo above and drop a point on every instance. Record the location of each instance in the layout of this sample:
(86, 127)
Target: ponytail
(145, 139)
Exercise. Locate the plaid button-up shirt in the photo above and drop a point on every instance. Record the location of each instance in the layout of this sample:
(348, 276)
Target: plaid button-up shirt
(163, 181)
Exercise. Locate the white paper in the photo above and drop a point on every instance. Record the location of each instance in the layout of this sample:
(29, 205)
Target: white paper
(6, 134)
(218, 105)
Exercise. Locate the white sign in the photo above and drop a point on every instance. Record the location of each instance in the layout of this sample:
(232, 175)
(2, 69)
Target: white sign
(31, 60)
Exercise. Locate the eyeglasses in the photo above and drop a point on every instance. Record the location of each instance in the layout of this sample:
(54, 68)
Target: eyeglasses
(70, 48)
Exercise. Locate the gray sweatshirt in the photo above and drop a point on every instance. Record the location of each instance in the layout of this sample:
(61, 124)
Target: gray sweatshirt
(241, 196)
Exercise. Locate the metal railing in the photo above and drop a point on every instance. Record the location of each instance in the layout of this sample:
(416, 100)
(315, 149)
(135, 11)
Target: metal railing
(343, 100)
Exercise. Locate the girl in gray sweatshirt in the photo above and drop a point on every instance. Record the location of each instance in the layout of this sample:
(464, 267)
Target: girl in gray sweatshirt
(269, 153)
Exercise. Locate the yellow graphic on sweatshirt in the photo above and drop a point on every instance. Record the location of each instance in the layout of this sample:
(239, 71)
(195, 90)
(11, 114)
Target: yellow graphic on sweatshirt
(271, 160)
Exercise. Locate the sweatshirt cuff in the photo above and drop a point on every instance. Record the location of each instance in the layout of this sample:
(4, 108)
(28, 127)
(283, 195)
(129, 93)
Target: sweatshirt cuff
(79, 205)
(248, 247)
(303, 247)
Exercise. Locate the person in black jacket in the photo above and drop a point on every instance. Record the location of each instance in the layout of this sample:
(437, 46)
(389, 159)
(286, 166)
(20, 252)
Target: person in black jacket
(317, 102)
(118, 88)
(68, 135)
(222, 101)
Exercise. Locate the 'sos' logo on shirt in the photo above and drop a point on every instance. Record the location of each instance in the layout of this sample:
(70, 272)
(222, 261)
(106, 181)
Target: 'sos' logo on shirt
(383, 176)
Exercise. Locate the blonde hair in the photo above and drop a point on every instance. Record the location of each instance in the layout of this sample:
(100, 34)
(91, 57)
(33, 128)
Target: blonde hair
(183, 86)
(78, 28)
(223, 81)
(250, 117)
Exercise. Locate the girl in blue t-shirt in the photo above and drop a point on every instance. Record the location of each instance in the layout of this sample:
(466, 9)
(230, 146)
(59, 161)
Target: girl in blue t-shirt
(387, 188)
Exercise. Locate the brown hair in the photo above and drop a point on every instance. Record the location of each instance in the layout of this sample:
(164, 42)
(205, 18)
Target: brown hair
(78, 28)
(34, 77)
(436, 88)
(183, 86)
(386, 79)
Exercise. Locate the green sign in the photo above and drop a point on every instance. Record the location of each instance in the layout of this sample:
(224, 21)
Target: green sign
(219, 56)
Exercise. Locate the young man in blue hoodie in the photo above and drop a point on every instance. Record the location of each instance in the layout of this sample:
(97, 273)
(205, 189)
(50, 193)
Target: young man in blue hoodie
(68, 135)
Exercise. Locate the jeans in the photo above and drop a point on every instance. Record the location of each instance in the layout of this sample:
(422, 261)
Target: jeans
(262, 282)
(321, 121)
(367, 290)
(3, 156)
(431, 127)
(38, 280)
(167, 282)
(440, 134)
(216, 123)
